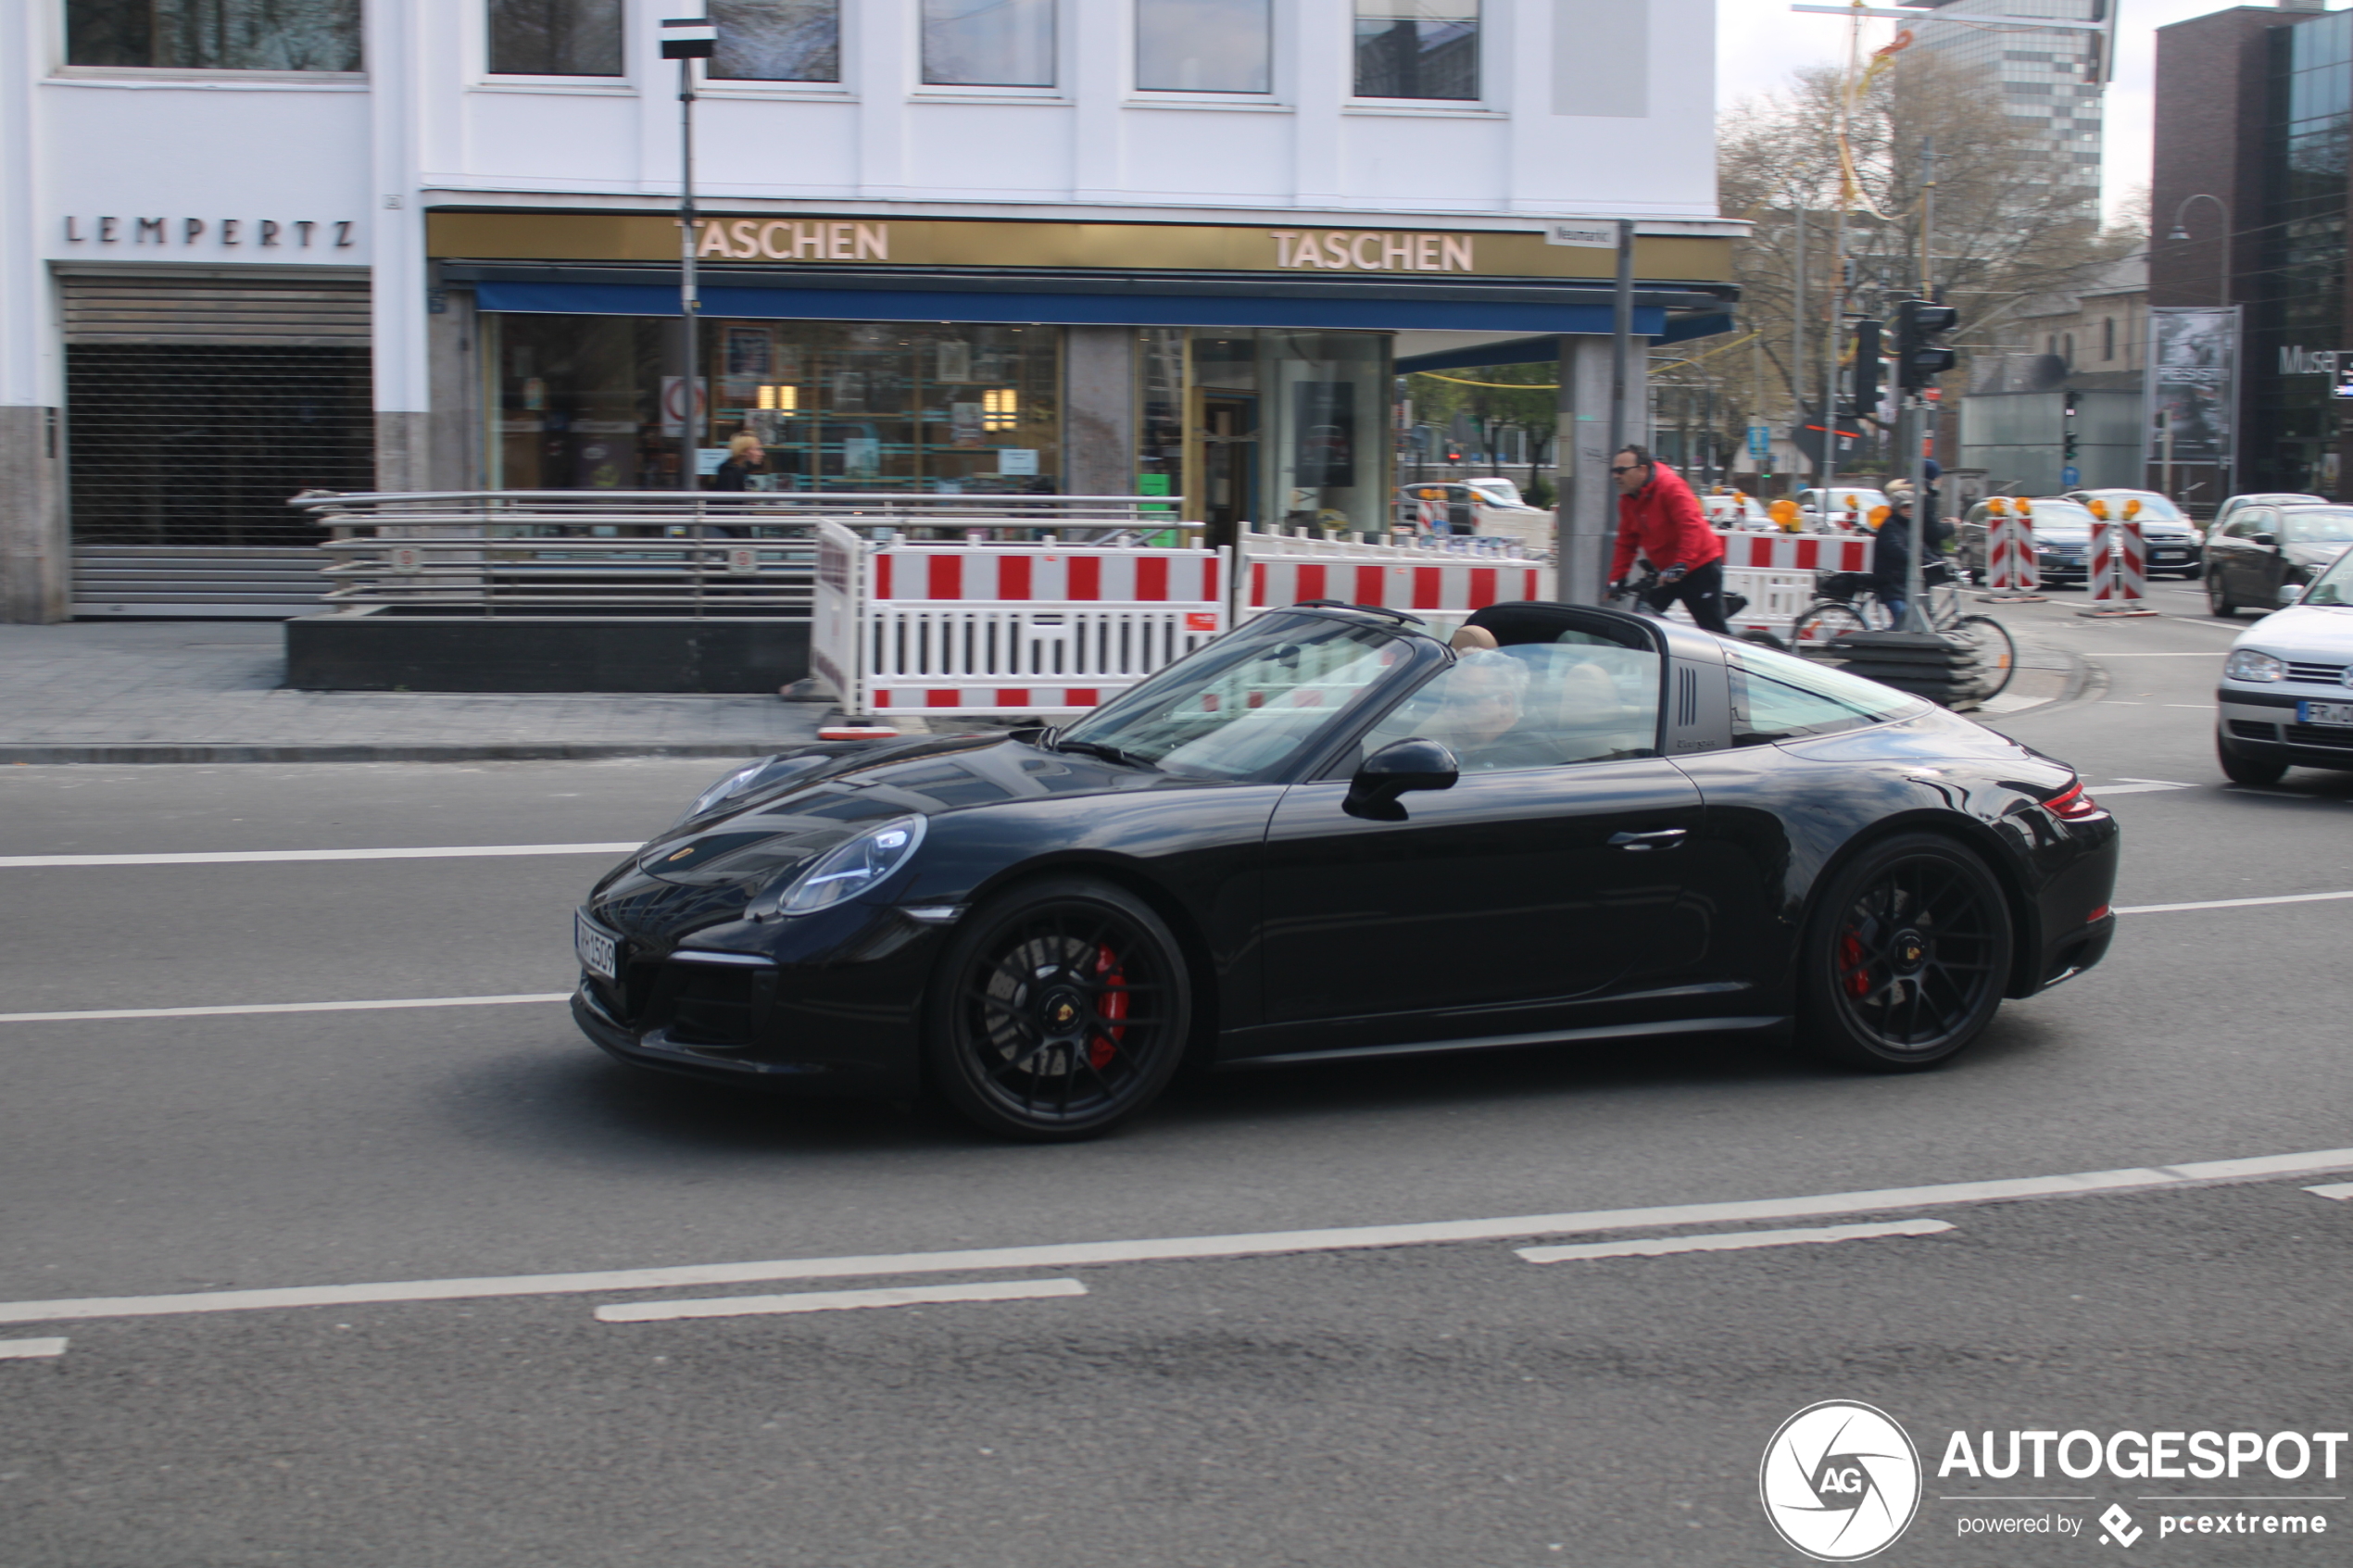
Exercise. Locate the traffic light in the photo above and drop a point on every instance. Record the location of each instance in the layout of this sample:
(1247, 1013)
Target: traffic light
(1919, 358)
(1862, 382)
(2067, 429)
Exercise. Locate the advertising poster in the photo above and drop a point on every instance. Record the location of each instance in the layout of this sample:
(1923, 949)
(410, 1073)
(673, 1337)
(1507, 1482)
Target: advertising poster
(2193, 373)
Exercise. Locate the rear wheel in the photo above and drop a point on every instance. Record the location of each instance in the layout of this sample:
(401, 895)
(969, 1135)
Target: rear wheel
(1811, 634)
(2243, 770)
(1996, 649)
(1061, 1009)
(1906, 957)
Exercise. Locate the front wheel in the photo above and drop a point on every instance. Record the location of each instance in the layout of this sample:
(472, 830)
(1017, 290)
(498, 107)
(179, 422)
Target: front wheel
(1061, 1009)
(2218, 598)
(1906, 955)
(1812, 634)
(1997, 650)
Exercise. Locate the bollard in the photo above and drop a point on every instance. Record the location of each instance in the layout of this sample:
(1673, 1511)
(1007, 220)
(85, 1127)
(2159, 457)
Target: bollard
(2120, 567)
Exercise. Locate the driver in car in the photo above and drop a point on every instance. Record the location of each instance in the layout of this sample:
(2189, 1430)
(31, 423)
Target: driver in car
(1483, 702)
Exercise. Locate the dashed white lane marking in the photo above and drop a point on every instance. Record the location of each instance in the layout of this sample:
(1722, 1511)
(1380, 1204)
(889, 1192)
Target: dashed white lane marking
(2338, 1190)
(839, 1300)
(28, 1350)
(1181, 1248)
(2100, 791)
(262, 857)
(284, 1007)
(2232, 903)
(1730, 1241)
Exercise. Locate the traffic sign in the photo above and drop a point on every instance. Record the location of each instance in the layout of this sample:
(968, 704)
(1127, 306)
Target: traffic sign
(2070, 477)
(1760, 441)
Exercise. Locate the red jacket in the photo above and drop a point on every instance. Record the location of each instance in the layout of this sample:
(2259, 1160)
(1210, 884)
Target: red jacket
(1664, 521)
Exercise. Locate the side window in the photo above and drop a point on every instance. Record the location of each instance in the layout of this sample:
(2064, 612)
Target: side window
(1776, 698)
(1535, 705)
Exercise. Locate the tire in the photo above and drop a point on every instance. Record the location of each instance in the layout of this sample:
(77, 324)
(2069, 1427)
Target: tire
(2218, 599)
(1811, 634)
(2242, 769)
(1060, 1011)
(1906, 955)
(1997, 650)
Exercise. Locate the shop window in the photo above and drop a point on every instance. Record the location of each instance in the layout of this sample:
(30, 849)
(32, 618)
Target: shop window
(215, 35)
(1417, 50)
(555, 37)
(777, 41)
(988, 42)
(596, 402)
(1204, 45)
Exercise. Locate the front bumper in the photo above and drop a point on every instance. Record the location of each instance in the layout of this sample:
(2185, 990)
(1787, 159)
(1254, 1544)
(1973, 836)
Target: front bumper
(829, 1004)
(2260, 723)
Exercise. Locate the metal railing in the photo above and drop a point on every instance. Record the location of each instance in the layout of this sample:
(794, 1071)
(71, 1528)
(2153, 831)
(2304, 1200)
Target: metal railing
(724, 554)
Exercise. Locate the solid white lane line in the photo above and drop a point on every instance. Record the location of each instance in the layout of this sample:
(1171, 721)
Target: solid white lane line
(262, 857)
(2232, 903)
(284, 1007)
(2338, 1190)
(26, 1349)
(838, 1301)
(1182, 1248)
(2101, 792)
(1729, 1241)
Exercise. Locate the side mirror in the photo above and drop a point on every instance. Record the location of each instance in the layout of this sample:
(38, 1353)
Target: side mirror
(1391, 771)
(2269, 541)
(2291, 593)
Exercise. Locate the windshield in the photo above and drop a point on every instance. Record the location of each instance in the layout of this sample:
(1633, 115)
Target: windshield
(2154, 508)
(2062, 516)
(2317, 525)
(1246, 703)
(2334, 586)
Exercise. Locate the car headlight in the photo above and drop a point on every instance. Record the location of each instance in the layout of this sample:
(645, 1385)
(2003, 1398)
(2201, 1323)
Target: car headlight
(847, 870)
(2248, 665)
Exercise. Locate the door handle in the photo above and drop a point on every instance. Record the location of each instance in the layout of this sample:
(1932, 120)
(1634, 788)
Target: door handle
(1661, 838)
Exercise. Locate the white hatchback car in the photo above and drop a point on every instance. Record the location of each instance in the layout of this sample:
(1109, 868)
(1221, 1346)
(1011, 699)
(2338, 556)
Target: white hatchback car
(2286, 697)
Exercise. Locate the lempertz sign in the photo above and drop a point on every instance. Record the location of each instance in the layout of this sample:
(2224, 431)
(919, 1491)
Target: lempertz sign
(788, 242)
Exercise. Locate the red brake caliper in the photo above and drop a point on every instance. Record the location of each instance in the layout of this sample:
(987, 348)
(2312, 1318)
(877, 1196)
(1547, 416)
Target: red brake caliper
(1103, 1046)
(1854, 968)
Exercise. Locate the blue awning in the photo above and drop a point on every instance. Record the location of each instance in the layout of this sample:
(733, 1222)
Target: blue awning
(1435, 314)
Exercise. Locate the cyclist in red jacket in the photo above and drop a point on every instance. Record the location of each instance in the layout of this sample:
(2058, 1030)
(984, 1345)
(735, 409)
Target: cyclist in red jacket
(1659, 519)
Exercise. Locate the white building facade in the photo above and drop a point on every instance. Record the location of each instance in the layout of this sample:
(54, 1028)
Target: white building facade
(1172, 247)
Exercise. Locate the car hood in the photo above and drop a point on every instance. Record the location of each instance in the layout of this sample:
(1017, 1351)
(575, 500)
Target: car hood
(2318, 633)
(775, 828)
(2314, 556)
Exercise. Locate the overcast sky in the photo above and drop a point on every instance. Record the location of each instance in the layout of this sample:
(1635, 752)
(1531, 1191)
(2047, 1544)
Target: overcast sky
(1760, 42)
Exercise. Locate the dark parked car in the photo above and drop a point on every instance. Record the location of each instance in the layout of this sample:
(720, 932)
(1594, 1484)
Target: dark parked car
(2062, 540)
(2262, 557)
(1328, 834)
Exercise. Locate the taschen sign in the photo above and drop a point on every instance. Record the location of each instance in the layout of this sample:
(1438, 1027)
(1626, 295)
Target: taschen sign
(773, 241)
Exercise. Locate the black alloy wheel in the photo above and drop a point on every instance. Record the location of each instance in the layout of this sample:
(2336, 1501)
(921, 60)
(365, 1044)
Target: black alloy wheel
(1061, 1010)
(1906, 956)
(2243, 770)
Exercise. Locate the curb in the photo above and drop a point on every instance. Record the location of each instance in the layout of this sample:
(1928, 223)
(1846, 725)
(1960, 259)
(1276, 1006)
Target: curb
(167, 752)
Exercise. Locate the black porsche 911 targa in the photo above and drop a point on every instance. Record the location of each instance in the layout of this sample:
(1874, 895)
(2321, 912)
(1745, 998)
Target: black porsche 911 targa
(1328, 834)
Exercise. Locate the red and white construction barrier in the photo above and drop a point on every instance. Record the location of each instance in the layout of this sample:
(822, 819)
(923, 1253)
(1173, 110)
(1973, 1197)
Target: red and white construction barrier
(1002, 629)
(1777, 551)
(2011, 569)
(2120, 568)
(1443, 593)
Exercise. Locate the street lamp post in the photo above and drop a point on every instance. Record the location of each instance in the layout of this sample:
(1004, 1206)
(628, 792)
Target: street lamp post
(686, 40)
(2181, 235)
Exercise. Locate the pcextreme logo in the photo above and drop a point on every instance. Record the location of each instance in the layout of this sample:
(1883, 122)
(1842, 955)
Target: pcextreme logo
(1840, 1481)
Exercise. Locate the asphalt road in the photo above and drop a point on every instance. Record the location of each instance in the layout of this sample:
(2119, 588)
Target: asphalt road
(1329, 1402)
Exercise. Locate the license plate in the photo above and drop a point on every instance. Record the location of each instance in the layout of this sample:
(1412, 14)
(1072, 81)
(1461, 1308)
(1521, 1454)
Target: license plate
(599, 954)
(2324, 714)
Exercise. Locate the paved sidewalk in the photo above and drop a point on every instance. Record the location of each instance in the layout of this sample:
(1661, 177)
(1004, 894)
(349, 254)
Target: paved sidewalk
(199, 691)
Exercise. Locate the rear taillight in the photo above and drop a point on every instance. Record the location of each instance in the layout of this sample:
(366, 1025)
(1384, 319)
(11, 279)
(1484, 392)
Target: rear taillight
(2072, 806)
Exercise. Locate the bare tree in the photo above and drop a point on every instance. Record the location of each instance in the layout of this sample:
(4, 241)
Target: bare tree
(2009, 225)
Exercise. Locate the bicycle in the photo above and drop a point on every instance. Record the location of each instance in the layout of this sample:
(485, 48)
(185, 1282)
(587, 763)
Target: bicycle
(1848, 602)
(1635, 597)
